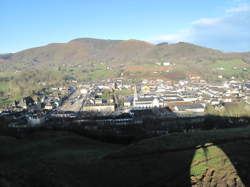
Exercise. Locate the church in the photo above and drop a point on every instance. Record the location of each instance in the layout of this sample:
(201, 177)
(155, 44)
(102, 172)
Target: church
(145, 102)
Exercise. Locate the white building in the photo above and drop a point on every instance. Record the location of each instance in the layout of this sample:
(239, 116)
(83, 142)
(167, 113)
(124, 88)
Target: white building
(146, 102)
(166, 63)
(190, 108)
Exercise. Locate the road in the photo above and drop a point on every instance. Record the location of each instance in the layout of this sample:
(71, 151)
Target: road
(74, 102)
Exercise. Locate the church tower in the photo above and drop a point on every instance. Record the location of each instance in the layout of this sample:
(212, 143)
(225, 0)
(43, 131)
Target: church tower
(135, 95)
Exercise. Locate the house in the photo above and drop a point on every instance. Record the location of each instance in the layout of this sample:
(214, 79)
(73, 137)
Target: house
(166, 63)
(217, 90)
(98, 101)
(22, 104)
(214, 102)
(170, 100)
(146, 102)
(48, 106)
(110, 100)
(145, 89)
(190, 108)
(169, 82)
(128, 101)
(172, 104)
(226, 99)
(188, 96)
(83, 91)
(194, 77)
(99, 108)
(247, 86)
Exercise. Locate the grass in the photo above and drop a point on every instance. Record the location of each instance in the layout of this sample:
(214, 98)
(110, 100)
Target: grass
(101, 74)
(151, 66)
(4, 86)
(46, 151)
(179, 141)
(211, 157)
(229, 65)
(54, 158)
(124, 92)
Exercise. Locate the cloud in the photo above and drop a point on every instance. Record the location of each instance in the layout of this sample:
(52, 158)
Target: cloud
(182, 35)
(241, 8)
(206, 21)
(227, 33)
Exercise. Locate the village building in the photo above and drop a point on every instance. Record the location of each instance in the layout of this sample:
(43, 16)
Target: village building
(166, 63)
(48, 106)
(128, 102)
(194, 108)
(194, 78)
(98, 101)
(146, 102)
(99, 108)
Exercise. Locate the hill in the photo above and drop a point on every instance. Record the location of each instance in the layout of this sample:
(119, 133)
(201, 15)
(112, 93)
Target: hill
(87, 59)
(206, 158)
(115, 52)
(78, 51)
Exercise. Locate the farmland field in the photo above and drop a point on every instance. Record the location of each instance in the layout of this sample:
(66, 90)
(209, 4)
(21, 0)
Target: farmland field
(235, 67)
(3, 86)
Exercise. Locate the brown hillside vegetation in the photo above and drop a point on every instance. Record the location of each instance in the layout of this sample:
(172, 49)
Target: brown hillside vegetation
(87, 50)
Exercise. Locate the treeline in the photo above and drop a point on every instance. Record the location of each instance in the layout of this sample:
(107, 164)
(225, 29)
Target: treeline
(25, 83)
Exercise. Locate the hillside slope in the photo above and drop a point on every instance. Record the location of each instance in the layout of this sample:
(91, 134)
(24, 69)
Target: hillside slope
(87, 59)
(87, 50)
(207, 158)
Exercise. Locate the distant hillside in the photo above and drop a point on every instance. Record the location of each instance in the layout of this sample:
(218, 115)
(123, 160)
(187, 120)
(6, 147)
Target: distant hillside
(80, 51)
(85, 50)
(88, 53)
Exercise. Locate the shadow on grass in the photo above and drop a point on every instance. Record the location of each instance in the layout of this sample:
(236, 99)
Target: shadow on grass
(195, 158)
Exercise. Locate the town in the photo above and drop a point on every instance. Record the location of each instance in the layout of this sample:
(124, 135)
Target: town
(125, 93)
(121, 103)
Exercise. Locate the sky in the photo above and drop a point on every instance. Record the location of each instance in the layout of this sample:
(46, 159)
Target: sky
(219, 24)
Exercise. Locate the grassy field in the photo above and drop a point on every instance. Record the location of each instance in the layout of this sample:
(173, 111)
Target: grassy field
(52, 158)
(230, 63)
(124, 92)
(101, 74)
(151, 66)
(3, 86)
(230, 67)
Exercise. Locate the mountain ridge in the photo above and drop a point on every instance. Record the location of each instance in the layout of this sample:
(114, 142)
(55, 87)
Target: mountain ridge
(102, 44)
(114, 53)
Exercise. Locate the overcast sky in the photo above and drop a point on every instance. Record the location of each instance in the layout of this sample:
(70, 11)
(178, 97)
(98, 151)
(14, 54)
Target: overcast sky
(219, 24)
